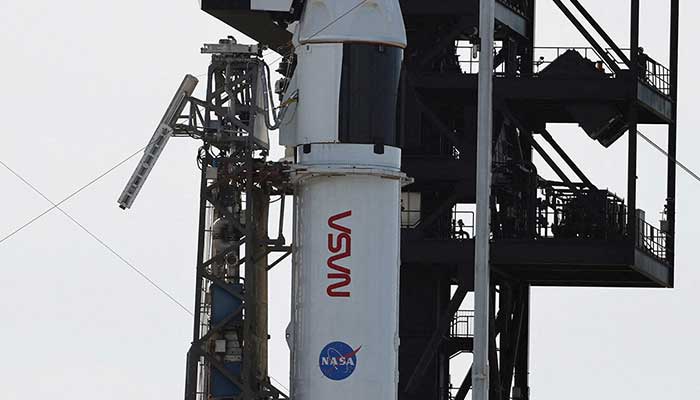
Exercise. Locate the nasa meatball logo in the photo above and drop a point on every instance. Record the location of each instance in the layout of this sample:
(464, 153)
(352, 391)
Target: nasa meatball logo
(338, 360)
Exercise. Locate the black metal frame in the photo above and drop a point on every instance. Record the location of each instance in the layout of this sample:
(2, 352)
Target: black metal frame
(239, 196)
(437, 122)
(437, 116)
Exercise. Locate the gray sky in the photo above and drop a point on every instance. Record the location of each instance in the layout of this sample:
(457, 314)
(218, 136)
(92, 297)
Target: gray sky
(84, 84)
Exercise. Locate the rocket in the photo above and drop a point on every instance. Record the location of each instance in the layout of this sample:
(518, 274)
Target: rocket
(338, 123)
(341, 130)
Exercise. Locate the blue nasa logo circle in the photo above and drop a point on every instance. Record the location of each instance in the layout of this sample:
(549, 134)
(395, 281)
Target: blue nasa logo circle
(338, 360)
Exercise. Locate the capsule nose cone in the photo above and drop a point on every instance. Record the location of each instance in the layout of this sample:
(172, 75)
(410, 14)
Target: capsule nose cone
(338, 21)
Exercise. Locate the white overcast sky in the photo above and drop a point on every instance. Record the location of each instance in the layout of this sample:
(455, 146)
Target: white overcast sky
(84, 84)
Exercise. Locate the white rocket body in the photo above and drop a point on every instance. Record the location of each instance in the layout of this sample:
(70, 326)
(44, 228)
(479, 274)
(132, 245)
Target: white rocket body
(344, 329)
(346, 275)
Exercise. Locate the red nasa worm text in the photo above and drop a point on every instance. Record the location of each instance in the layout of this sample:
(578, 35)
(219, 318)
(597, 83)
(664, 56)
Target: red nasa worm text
(339, 246)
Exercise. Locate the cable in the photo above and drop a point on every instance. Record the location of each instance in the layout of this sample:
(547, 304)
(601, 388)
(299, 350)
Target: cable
(109, 248)
(70, 196)
(664, 152)
(100, 241)
(135, 269)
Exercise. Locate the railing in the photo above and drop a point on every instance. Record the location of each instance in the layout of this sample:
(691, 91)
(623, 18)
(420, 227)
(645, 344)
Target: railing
(651, 239)
(655, 75)
(542, 58)
(547, 55)
(651, 73)
(471, 65)
(462, 324)
(581, 213)
(461, 222)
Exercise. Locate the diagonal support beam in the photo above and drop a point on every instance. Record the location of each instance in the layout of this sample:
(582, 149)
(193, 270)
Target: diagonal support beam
(465, 387)
(436, 339)
(548, 137)
(279, 260)
(515, 21)
(446, 40)
(495, 389)
(510, 351)
(445, 206)
(550, 162)
(537, 147)
(601, 32)
(442, 129)
(601, 52)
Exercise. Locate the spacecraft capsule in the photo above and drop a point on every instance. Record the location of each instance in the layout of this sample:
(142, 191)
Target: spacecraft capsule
(344, 330)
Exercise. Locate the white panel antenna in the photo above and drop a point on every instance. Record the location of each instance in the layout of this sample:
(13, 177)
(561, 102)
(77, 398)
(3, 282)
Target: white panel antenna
(158, 141)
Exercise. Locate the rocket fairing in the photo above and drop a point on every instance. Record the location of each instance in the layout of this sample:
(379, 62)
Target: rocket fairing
(342, 129)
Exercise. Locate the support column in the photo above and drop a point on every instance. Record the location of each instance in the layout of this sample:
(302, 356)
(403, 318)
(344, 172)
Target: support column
(482, 284)
(632, 120)
(521, 389)
(261, 206)
(193, 355)
(671, 179)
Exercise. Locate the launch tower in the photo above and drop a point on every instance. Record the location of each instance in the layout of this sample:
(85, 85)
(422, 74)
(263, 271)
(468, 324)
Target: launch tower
(566, 232)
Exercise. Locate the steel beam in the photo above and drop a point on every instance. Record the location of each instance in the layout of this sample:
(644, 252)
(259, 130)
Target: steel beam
(436, 339)
(516, 22)
(521, 388)
(548, 137)
(482, 271)
(553, 165)
(603, 54)
(193, 358)
(601, 32)
(632, 116)
(465, 386)
(442, 129)
(672, 139)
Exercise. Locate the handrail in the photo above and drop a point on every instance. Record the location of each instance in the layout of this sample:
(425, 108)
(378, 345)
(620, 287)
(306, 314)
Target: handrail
(587, 214)
(651, 72)
(462, 223)
(462, 324)
(651, 239)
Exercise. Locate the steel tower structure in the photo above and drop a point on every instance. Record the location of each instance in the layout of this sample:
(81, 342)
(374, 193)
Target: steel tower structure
(228, 355)
(565, 232)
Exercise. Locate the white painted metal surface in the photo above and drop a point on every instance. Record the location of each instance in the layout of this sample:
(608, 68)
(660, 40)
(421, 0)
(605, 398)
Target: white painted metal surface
(314, 118)
(344, 330)
(260, 131)
(333, 21)
(319, 38)
(157, 142)
(482, 271)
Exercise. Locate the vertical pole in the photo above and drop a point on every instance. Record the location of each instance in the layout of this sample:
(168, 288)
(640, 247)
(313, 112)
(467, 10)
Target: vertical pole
(527, 68)
(482, 270)
(250, 363)
(261, 206)
(193, 355)
(633, 111)
(671, 180)
(521, 390)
